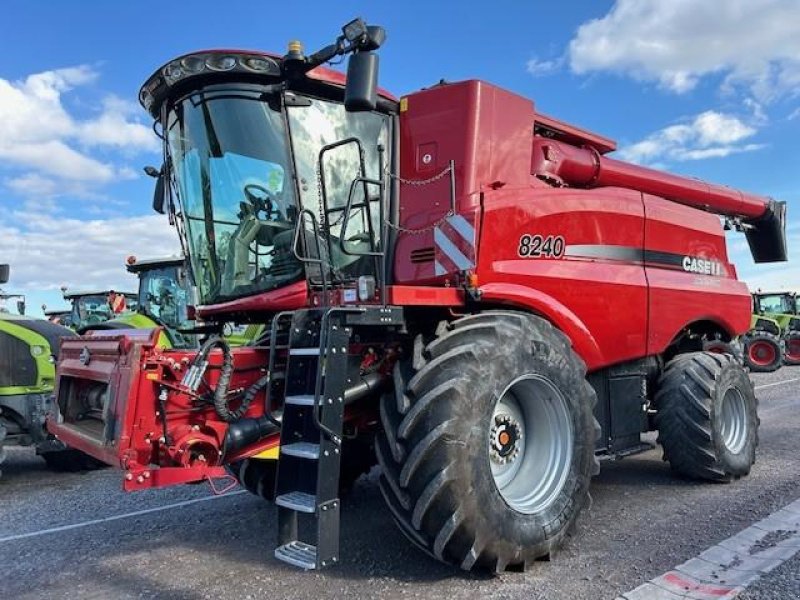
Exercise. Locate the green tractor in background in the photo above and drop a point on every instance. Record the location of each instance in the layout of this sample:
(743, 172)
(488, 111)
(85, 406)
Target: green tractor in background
(782, 308)
(28, 353)
(762, 344)
(91, 307)
(162, 300)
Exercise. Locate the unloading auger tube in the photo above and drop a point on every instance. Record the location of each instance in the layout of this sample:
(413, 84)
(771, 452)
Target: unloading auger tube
(762, 219)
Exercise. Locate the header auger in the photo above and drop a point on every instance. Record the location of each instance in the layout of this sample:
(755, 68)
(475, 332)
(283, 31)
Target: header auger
(466, 286)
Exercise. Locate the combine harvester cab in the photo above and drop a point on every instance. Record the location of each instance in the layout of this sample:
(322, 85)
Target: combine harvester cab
(474, 290)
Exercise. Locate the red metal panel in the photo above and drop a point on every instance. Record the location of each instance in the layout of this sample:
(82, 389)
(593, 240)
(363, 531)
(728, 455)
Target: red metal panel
(290, 297)
(486, 131)
(679, 296)
(411, 295)
(603, 300)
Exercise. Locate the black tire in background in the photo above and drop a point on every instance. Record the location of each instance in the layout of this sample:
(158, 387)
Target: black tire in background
(721, 347)
(71, 461)
(3, 433)
(257, 476)
(438, 446)
(791, 355)
(762, 352)
(707, 416)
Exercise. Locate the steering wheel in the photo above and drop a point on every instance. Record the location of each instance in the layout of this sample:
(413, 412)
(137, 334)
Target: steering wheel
(261, 199)
(260, 202)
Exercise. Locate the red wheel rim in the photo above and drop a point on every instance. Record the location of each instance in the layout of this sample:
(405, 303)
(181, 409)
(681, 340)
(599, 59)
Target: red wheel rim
(793, 349)
(762, 353)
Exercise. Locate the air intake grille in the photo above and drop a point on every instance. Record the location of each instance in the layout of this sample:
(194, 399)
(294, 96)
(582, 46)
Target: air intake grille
(422, 255)
(17, 366)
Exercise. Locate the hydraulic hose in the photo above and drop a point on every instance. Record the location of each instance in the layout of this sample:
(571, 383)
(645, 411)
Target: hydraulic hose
(193, 376)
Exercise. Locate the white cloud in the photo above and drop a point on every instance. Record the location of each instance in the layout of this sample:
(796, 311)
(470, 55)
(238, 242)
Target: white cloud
(39, 135)
(538, 67)
(112, 128)
(708, 135)
(754, 44)
(44, 254)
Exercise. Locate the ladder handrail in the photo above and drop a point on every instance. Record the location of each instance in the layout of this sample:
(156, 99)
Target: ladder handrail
(323, 345)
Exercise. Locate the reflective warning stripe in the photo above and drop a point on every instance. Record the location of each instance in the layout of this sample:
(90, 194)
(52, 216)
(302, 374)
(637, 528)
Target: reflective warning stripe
(454, 243)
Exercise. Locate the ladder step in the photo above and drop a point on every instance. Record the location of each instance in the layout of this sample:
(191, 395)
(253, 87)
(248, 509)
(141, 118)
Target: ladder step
(304, 400)
(302, 450)
(299, 501)
(298, 553)
(304, 351)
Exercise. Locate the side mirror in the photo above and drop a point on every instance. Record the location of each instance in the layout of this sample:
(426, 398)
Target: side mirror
(21, 307)
(361, 91)
(159, 195)
(4, 273)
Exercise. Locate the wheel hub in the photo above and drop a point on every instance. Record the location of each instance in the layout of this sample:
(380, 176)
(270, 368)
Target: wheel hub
(529, 441)
(505, 439)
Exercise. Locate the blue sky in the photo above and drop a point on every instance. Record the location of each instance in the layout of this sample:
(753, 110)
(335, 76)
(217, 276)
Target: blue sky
(696, 87)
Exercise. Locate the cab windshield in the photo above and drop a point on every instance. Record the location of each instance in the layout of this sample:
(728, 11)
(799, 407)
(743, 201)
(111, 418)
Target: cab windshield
(238, 162)
(776, 304)
(231, 165)
(163, 296)
(91, 309)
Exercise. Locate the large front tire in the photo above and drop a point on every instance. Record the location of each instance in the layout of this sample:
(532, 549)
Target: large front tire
(487, 445)
(707, 417)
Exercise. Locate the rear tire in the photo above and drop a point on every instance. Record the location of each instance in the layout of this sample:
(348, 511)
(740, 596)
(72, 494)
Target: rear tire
(707, 416)
(791, 354)
(762, 352)
(493, 395)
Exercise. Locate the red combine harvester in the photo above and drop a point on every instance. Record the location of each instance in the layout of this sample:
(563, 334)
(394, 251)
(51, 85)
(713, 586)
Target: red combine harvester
(468, 286)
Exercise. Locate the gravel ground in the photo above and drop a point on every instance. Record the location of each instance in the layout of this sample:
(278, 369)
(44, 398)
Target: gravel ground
(781, 584)
(643, 522)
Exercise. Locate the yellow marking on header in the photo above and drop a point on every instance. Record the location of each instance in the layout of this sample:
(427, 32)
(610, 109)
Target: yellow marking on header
(268, 454)
(403, 104)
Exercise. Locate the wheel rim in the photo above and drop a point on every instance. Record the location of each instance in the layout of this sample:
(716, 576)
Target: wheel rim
(762, 353)
(733, 420)
(793, 349)
(530, 444)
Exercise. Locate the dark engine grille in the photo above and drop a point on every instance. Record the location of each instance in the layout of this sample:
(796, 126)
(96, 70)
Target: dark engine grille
(422, 255)
(17, 366)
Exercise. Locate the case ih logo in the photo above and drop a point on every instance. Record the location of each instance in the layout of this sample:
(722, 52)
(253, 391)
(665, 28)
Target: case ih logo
(702, 265)
(85, 356)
